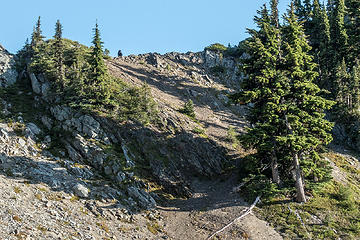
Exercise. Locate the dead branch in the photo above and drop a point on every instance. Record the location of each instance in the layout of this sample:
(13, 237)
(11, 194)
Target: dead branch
(248, 211)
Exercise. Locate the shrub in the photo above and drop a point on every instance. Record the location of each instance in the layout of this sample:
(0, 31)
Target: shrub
(216, 47)
(188, 109)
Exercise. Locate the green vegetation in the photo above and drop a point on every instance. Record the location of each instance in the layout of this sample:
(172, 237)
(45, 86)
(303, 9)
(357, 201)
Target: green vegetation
(217, 47)
(79, 76)
(332, 213)
(188, 109)
(287, 115)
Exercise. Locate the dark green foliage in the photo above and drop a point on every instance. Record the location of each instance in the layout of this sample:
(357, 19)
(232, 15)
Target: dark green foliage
(98, 68)
(58, 48)
(78, 75)
(37, 37)
(218, 69)
(339, 37)
(188, 109)
(287, 114)
(217, 47)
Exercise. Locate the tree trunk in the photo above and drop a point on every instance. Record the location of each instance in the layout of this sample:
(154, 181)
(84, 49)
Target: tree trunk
(275, 169)
(300, 192)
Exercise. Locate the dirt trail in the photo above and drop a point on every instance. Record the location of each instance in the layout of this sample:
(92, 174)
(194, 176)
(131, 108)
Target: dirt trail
(212, 207)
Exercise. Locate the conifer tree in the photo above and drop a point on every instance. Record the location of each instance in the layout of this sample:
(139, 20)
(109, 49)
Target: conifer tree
(353, 13)
(37, 36)
(302, 108)
(339, 37)
(59, 54)
(320, 41)
(263, 89)
(98, 67)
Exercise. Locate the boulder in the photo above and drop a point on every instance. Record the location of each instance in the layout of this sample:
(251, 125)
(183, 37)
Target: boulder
(35, 84)
(81, 191)
(144, 199)
(61, 113)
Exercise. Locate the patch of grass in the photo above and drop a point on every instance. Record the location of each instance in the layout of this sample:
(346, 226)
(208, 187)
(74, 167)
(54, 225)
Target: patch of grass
(17, 190)
(154, 228)
(38, 196)
(332, 213)
(103, 226)
(198, 130)
(74, 198)
(232, 137)
(41, 228)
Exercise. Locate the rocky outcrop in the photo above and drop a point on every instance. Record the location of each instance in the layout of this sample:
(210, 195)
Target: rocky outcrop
(8, 73)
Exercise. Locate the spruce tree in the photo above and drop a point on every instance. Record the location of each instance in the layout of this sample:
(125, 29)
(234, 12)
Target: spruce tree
(339, 37)
(353, 14)
(37, 37)
(263, 89)
(320, 41)
(98, 67)
(59, 54)
(302, 107)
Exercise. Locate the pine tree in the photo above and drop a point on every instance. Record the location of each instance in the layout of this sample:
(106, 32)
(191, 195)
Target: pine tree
(355, 86)
(299, 9)
(353, 14)
(59, 54)
(320, 41)
(98, 67)
(302, 107)
(37, 37)
(263, 88)
(339, 37)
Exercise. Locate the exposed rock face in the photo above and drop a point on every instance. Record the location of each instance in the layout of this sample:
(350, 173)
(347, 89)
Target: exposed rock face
(8, 74)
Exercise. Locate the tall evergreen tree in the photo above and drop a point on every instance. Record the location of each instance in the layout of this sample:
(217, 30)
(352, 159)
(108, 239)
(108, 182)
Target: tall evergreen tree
(263, 89)
(98, 67)
(59, 54)
(320, 41)
(302, 107)
(339, 37)
(37, 36)
(353, 10)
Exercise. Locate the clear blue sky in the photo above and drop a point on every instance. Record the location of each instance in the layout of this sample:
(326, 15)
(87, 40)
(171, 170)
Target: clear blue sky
(134, 26)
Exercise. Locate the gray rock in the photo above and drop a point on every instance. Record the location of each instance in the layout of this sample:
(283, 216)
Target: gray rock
(4, 135)
(90, 126)
(45, 88)
(73, 154)
(144, 199)
(129, 162)
(61, 113)
(107, 170)
(35, 84)
(48, 122)
(81, 191)
(120, 177)
(33, 128)
(22, 142)
(8, 74)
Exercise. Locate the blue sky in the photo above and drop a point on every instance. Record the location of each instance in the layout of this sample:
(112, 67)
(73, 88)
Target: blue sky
(134, 26)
